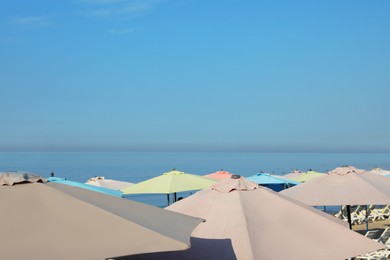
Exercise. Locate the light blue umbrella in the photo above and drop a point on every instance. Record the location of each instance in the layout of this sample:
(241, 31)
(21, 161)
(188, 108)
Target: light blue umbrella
(272, 182)
(64, 181)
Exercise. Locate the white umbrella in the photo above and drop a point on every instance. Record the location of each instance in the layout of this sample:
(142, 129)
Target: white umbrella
(101, 181)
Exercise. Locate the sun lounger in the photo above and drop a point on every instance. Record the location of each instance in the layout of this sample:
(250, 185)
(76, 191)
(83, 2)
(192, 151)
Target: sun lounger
(342, 213)
(372, 234)
(380, 214)
(384, 238)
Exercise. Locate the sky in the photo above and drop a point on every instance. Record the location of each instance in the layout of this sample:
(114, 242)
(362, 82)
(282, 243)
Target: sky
(185, 75)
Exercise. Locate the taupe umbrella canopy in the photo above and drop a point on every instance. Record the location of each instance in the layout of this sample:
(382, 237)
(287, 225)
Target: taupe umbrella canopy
(101, 181)
(11, 177)
(293, 174)
(380, 171)
(343, 186)
(54, 221)
(244, 221)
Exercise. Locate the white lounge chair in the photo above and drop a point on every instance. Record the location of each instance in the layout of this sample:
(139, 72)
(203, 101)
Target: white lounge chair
(380, 214)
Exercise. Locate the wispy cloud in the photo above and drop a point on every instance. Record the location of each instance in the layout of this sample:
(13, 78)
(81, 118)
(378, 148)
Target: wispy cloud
(102, 12)
(102, 1)
(121, 31)
(123, 8)
(41, 20)
(137, 7)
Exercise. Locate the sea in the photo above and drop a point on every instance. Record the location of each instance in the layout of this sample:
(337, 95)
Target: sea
(139, 166)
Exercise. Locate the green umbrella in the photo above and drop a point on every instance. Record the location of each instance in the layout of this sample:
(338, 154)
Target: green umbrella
(307, 176)
(170, 182)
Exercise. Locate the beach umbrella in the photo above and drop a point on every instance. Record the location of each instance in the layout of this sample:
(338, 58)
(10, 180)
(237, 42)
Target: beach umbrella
(101, 181)
(55, 221)
(64, 181)
(272, 182)
(345, 185)
(11, 177)
(170, 182)
(218, 175)
(380, 171)
(307, 176)
(293, 174)
(245, 221)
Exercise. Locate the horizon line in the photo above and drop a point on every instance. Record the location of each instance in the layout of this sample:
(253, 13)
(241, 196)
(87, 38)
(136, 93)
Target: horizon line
(194, 150)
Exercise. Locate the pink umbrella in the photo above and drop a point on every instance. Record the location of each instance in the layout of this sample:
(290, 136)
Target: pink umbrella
(245, 221)
(219, 175)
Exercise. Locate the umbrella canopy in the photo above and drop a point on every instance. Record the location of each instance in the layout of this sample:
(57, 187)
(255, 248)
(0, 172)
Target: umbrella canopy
(380, 171)
(101, 181)
(219, 175)
(11, 177)
(293, 174)
(258, 223)
(272, 182)
(54, 221)
(170, 182)
(343, 186)
(307, 176)
(64, 181)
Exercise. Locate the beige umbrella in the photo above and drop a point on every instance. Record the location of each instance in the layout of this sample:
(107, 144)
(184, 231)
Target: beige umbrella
(380, 171)
(101, 181)
(54, 221)
(293, 174)
(345, 185)
(258, 223)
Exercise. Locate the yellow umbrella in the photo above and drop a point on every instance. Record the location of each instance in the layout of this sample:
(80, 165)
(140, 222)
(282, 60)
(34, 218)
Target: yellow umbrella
(307, 176)
(170, 182)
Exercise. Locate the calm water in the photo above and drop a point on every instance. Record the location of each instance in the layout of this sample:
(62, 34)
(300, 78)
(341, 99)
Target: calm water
(135, 167)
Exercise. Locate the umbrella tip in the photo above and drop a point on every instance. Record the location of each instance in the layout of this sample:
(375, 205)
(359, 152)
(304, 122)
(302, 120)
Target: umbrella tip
(235, 176)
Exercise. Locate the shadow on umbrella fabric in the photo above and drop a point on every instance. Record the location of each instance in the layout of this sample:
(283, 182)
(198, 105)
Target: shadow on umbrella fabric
(201, 248)
(62, 222)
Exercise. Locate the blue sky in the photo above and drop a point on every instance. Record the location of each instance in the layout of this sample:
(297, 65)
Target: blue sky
(164, 75)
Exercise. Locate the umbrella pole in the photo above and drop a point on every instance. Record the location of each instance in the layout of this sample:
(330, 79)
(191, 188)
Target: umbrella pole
(349, 216)
(168, 198)
(367, 213)
(174, 197)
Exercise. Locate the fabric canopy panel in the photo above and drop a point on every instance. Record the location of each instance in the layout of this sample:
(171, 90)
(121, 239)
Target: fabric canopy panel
(292, 174)
(100, 181)
(54, 221)
(12, 177)
(380, 171)
(271, 181)
(64, 181)
(264, 178)
(244, 221)
(306, 176)
(343, 186)
(170, 182)
(219, 175)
